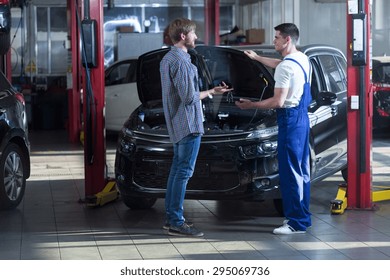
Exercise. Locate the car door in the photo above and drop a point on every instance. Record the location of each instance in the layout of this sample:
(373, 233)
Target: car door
(327, 112)
(121, 93)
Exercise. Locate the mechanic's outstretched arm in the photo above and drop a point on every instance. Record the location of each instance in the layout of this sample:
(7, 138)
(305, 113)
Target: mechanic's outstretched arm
(270, 62)
(273, 102)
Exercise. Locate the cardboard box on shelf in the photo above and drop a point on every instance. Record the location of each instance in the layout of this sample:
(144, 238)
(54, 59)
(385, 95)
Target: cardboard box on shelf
(255, 35)
(126, 29)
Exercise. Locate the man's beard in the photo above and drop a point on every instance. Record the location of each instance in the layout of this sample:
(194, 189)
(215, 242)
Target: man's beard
(189, 44)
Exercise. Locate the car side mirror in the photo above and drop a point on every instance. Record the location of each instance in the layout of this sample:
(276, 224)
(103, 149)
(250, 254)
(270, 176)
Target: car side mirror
(326, 98)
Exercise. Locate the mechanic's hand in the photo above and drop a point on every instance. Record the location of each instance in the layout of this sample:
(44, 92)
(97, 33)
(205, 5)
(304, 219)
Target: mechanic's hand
(251, 54)
(244, 103)
(221, 89)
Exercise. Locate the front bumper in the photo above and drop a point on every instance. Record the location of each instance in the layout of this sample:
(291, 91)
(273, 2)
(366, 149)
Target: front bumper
(220, 173)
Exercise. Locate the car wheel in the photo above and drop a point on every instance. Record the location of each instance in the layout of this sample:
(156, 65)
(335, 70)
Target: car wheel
(278, 203)
(12, 176)
(344, 173)
(139, 202)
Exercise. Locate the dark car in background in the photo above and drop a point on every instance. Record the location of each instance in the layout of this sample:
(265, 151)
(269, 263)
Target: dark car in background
(14, 146)
(381, 82)
(238, 154)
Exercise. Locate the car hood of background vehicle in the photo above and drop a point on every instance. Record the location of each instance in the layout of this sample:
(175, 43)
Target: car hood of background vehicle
(229, 65)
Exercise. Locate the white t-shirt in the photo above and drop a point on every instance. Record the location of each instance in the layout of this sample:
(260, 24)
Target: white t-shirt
(288, 74)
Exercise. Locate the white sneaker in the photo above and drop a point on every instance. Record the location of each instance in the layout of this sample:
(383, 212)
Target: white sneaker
(286, 222)
(286, 229)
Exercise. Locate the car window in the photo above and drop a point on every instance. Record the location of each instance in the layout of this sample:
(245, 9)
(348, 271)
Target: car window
(333, 78)
(118, 74)
(381, 73)
(131, 76)
(315, 81)
(343, 64)
(386, 73)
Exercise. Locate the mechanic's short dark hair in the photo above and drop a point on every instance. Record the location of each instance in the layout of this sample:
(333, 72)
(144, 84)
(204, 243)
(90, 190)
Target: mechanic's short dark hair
(288, 29)
(179, 26)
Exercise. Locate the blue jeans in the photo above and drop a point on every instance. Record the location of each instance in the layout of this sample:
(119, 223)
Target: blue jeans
(185, 153)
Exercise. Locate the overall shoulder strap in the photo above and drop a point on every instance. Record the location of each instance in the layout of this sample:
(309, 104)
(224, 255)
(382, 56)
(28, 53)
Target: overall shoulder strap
(305, 101)
(306, 77)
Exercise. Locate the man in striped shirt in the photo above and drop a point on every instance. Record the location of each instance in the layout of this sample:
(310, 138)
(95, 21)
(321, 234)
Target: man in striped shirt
(184, 118)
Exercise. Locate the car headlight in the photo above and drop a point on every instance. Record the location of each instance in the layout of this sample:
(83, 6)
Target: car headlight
(260, 149)
(264, 132)
(269, 147)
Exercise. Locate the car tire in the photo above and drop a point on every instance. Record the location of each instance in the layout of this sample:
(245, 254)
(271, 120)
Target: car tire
(137, 203)
(278, 203)
(12, 176)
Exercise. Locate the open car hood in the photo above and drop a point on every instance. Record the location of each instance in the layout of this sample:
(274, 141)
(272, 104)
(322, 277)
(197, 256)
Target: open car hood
(215, 64)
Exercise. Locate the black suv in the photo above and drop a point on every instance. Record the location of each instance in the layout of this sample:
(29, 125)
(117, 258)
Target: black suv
(238, 153)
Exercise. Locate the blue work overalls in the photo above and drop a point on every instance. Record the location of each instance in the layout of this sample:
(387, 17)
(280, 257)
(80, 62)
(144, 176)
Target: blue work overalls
(293, 157)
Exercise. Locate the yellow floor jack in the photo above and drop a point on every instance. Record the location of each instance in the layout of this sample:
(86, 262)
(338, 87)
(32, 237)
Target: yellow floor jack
(108, 194)
(339, 204)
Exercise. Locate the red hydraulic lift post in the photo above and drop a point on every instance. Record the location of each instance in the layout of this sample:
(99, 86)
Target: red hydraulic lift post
(74, 92)
(359, 116)
(356, 194)
(98, 189)
(211, 22)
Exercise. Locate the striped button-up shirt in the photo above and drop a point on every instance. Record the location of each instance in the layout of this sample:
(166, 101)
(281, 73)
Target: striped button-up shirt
(180, 95)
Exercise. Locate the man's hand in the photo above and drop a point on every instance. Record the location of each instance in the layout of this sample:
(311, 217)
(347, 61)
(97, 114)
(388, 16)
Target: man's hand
(221, 89)
(267, 61)
(251, 54)
(244, 103)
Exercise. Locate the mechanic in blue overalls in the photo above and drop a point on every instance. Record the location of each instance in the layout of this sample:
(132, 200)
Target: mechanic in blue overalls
(291, 98)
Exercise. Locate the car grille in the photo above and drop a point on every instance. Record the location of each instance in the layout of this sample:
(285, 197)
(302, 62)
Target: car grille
(207, 177)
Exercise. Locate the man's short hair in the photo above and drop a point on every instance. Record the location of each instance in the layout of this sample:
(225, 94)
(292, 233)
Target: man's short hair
(288, 29)
(179, 26)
